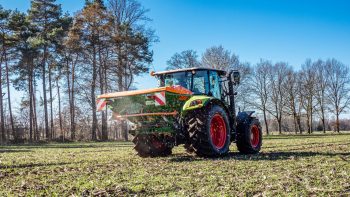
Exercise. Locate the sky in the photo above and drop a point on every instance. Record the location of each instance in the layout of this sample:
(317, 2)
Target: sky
(276, 30)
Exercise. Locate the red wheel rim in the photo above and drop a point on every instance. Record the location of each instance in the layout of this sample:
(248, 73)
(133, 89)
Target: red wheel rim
(156, 143)
(218, 131)
(254, 136)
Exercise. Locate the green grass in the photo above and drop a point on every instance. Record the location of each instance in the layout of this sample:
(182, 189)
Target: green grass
(287, 166)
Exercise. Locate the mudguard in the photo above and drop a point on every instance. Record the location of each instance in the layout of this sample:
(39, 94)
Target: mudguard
(196, 102)
(244, 116)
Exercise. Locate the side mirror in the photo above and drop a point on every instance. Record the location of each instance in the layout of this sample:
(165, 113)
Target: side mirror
(236, 77)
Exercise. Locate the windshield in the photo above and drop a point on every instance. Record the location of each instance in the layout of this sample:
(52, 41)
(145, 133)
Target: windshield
(199, 84)
(182, 78)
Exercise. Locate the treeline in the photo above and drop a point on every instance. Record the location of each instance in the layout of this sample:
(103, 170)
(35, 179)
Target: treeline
(311, 98)
(58, 63)
(61, 62)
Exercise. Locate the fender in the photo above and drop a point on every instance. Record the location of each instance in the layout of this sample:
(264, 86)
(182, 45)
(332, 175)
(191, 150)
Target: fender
(244, 116)
(198, 102)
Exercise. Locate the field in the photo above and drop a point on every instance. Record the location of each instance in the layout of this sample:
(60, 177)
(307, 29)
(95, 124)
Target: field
(287, 165)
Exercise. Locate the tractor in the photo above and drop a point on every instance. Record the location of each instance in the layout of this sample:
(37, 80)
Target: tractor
(194, 107)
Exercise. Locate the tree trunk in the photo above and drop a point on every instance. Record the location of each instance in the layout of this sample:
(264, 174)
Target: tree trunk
(93, 99)
(30, 88)
(337, 121)
(73, 99)
(299, 124)
(59, 108)
(106, 90)
(9, 99)
(35, 119)
(70, 99)
(323, 120)
(121, 88)
(311, 119)
(308, 121)
(70, 84)
(266, 124)
(102, 91)
(2, 124)
(43, 67)
(279, 125)
(295, 123)
(52, 129)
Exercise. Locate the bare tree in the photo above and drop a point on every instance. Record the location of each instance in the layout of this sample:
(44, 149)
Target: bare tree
(338, 89)
(131, 40)
(260, 87)
(308, 87)
(292, 98)
(219, 58)
(278, 91)
(185, 59)
(320, 90)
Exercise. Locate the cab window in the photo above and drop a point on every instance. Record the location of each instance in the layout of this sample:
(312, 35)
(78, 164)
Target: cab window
(180, 78)
(215, 89)
(200, 82)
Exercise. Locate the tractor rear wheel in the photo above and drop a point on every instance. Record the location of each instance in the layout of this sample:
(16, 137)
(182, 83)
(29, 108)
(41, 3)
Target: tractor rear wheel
(209, 132)
(249, 136)
(150, 145)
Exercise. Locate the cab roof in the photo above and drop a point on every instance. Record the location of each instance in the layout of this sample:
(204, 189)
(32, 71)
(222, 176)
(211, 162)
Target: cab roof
(220, 72)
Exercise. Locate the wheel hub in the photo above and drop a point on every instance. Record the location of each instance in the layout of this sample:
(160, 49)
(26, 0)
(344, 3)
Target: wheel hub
(218, 131)
(254, 136)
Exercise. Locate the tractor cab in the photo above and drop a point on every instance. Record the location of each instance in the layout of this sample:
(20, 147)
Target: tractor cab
(201, 81)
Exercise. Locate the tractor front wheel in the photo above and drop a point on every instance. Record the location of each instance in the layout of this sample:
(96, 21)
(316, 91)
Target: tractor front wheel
(209, 132)
(150, 145)
(249, 136)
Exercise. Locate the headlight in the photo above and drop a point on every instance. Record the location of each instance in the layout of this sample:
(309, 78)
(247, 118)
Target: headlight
(195, 102)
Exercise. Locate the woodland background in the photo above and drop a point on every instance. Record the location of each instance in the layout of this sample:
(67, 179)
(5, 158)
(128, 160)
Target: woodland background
(61, 62)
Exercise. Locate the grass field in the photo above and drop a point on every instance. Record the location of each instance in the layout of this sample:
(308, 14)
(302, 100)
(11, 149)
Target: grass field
(287, 165)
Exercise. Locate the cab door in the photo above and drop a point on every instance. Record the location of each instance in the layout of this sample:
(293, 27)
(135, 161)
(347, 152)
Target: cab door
(214, 84)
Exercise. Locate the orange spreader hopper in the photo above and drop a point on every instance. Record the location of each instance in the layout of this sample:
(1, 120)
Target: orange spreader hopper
(173, 89)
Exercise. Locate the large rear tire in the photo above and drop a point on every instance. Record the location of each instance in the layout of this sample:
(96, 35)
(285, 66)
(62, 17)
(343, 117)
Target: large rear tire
(209, 132)
(150, 145)
(249, 136)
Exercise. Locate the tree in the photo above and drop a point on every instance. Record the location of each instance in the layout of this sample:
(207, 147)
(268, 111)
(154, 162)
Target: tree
(70, 52)
(90, 25)
(25, 69)
(320, 90)
(4, 44)
(131, 41)
(219, 58)
(308, 87)
(8, 45)
(278, 91)
(260, 88)
(291, 97)
(339, 88)
(185, 59)
(44, 15)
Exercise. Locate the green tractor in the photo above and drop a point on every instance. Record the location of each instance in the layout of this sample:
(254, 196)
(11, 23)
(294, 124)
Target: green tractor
(194, 107)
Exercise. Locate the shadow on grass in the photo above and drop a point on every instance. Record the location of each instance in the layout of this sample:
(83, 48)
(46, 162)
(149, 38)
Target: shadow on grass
(66, 146)
(14, 151)
(31, 165)
(304, 136)
(311, 145)
(270, 156)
